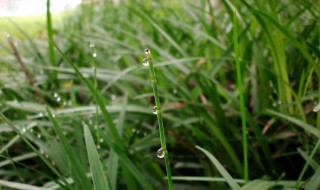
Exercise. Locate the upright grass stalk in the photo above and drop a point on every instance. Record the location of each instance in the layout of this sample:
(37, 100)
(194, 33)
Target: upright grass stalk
(50, 45)
(240, 90)
(162, 152)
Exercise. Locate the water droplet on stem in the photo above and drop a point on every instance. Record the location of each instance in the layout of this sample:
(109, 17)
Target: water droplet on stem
(145, 62)
(155, 110)
(160, 153)
(147, 51)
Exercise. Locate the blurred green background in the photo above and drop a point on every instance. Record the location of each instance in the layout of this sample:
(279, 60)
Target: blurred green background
(56, 79)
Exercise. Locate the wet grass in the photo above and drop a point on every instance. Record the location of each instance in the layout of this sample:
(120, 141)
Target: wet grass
(236, 102)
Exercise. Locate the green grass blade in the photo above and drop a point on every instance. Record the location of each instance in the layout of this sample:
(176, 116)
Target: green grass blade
(113, 161)
(50, 45)
(163, 32)
(305, 126)
(99, 180)
(16, 185)
(308, 163)
(240, 90)
(99, 100)
(78, 171)
(232, 183)
(35, 150)
(314, 165)
(112, 137)
(314, 182)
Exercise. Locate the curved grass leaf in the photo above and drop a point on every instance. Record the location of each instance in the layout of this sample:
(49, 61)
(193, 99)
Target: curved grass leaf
(36, 151)
(112, 137)
(99, 180)
(305, 126)
(232, 183)
(78, 171)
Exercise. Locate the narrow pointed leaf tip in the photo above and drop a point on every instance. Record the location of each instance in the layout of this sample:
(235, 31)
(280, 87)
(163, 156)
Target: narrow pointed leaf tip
(317, 108)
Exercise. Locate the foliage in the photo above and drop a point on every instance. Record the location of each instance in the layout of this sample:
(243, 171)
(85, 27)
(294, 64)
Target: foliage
(87, 120)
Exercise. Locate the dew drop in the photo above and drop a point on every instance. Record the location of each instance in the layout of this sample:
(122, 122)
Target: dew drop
(46, 155)
(145, 62)
(160, 153)
(155, 110)
(91, 45)
(147, 51)
(113, 97)
(41, 151)
(53, 115)
(40, 114)
(23, 130)
(58, 99)
(53, 163)
(274, 104)
(101, 140)
(39, 136)
(94, 54)
(98, 146)
(55, 95)
(31, 130)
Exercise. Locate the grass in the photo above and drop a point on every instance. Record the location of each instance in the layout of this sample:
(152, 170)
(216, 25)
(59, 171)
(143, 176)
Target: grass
(238, 83)
(163, 151)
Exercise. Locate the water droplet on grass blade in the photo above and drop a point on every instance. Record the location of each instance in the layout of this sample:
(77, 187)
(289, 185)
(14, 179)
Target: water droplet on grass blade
(147, 51)
(23, 130)
(94, 54)
(39, 136)
(155, 110)
(145, 62)
(101, 140)
(98, 146)
(160, 153)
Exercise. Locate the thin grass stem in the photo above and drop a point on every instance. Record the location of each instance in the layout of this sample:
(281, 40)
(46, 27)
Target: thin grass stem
(158, 111)
(240, 90)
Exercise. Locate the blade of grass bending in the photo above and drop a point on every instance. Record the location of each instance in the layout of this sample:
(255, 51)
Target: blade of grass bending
(36, 151)
(78, 172)
(158, 110)
(113, 161)
(240, 90)
(314, 182)
(259, 185)
(99, 179)
(305, 126)
(232, 183)
(141, 14)
(99, 100)
(308, 163)
(112, 137)
(21, 186)
(314, 165)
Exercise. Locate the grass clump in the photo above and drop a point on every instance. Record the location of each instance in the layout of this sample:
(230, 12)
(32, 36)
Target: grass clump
(237, 82)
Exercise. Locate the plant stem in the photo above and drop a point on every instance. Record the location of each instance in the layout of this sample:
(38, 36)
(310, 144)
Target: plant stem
(159, 116)
(240, 90)
(50, 40)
